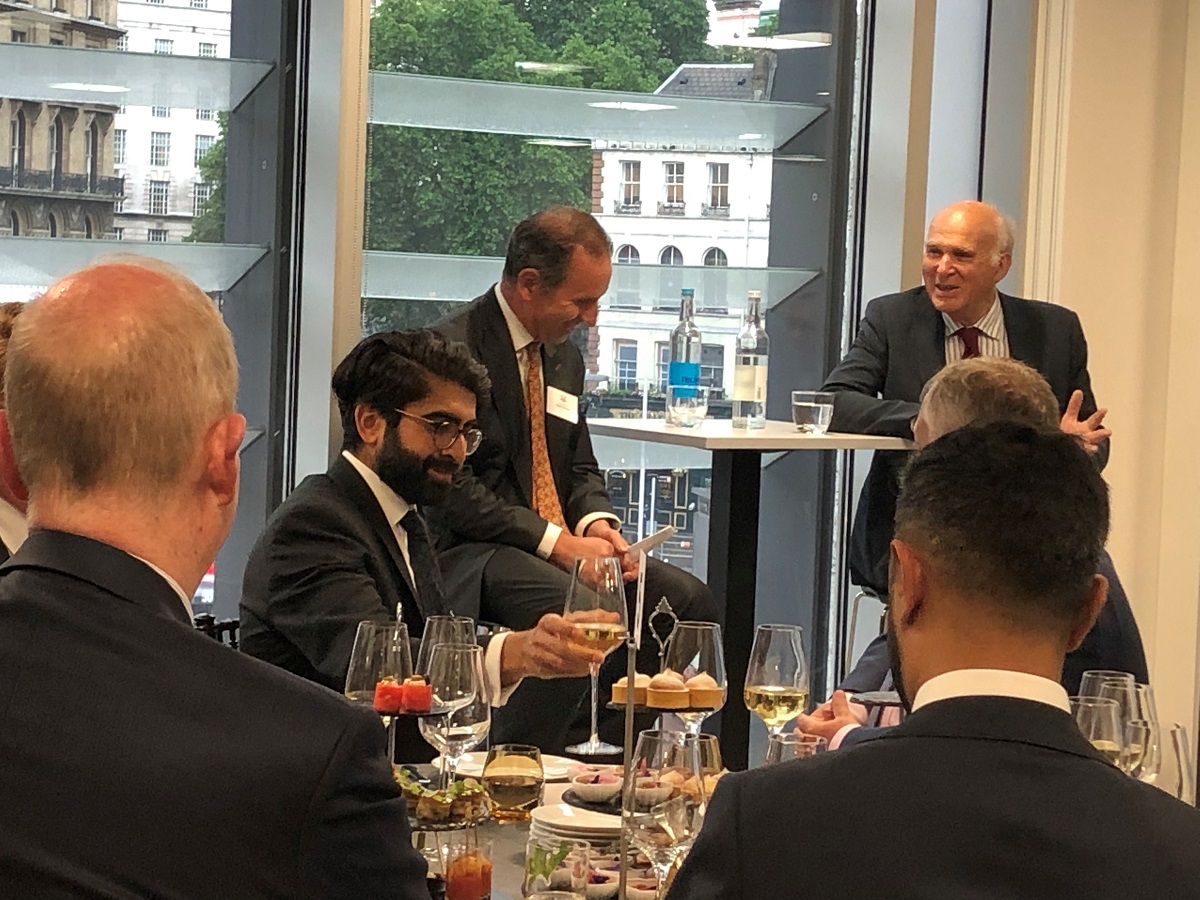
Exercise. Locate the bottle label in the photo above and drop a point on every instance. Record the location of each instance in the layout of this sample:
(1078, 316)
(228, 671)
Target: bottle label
(684, 378)
(750, 383)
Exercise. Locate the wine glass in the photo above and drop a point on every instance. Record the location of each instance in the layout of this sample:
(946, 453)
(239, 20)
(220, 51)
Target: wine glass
(1152, 751)
(695, 649)
(380, 659)
(663, 805)
(1099, 720)
(513, 779)
(458, 683)
(596, 606)
(443, 630)
(789, 745)
(1135, 754)
(777, 676)
(1178, 775)
(1093, 679)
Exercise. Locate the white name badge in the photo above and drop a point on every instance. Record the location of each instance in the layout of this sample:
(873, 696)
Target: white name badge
(562, 405)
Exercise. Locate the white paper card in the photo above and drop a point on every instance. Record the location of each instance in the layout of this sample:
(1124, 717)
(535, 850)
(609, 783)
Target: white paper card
(562, 405)
(639, 609)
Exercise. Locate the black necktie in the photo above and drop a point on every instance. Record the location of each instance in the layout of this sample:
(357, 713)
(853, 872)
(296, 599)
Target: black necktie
(431, 596)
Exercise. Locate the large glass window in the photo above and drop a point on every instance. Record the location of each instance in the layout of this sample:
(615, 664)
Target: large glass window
(119, 146)
(673, 187)
(159, 194)
(631, 186)
(204, 143)
(718, 187)
(160, 148)
(625, 357)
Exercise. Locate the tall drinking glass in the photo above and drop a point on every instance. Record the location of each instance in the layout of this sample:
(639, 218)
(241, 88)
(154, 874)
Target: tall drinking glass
(777, 676)
(457, 679)
(596, 606)
(695, 652)
(380, 657)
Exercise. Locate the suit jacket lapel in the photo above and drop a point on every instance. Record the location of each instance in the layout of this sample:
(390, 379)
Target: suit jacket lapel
(1023, 339)
(508, 391)
(927, 339)
(360, 496)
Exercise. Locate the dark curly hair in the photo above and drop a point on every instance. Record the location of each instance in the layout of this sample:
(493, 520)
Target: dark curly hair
(392, 369)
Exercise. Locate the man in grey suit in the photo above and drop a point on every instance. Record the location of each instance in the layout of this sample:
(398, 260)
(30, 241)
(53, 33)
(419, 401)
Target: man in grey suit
(532, 498)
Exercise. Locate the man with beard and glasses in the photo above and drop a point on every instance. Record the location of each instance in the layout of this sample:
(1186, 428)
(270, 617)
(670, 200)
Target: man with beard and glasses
(988, 788)
(351, 544)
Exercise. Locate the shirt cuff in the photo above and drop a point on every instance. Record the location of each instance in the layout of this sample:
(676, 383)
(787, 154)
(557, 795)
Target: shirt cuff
(841, 736)
(491, 667)
(582, 527)
(546, 546)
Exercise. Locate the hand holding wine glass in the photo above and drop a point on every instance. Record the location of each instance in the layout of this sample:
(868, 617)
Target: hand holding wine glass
(777, 676)
(596, 607)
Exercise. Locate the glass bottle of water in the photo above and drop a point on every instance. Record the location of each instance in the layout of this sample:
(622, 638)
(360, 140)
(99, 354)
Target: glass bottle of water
(683, 369)
(750, 368)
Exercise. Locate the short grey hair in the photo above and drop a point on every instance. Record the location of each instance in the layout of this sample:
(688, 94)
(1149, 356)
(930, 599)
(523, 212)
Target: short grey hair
(985, 390)
(121, 400)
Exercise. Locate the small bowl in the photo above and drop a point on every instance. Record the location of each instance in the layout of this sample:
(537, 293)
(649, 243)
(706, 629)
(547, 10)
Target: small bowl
(604, 890)
(596, 793)
(649, 791)
(646, 891)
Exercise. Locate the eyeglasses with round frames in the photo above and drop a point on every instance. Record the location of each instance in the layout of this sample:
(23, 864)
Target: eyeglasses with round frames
(446, 432)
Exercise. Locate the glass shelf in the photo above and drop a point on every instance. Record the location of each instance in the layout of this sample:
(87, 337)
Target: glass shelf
(117, 78)
(645, 121)
(28, 265)
(633, 289)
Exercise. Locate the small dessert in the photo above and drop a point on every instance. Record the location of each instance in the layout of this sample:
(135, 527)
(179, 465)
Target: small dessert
(650, 791)
(389, 696)
(596, 788)
(620, 690)
(433, 807)
(417, 694)
(667, 691)
(704, 692)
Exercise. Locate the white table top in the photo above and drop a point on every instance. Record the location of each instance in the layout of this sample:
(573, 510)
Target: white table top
(719, 434)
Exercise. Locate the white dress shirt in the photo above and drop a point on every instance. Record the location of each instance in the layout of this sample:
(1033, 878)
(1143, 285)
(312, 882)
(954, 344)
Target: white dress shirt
(993, 342)
(396, 508)
(13, 527)
(521, 338)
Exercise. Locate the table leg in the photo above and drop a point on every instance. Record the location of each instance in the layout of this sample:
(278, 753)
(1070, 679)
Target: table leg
(732, 576)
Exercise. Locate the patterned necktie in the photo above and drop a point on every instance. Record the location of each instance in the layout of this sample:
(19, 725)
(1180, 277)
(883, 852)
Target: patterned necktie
(970, 338)
(545, 495)
(431, 596)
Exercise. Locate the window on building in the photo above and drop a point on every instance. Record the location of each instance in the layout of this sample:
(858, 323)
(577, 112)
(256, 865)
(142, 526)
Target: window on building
(199, 4)
(204, 143)
(627, 279)
(714, 285)
(91, 143)
(163, 46)
(14, 224)
(57, 42)
(89, 9)
(123, 42)
(715, 256)
(118, 146)
(160, 148)
(670, 256)
(631, 186)
(119, 234)
(160, 112)
(662, 356)
(156, 2)
(712, 369)
(208, 50)
(718, 185)
(157, 235)
(53, 222)
(57, 137)
(17, 140)
(627, 255)
(119, 205)
(625, 363)
(205, 114)
(20, 37)
(159, 191)
(673, 180)
(201, 194)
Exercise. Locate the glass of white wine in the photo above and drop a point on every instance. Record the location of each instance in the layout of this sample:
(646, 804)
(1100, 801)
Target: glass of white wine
(694, 650)
(777, 676)
(1099, 719)
(380, 653)
(596, 607)
(458, 682)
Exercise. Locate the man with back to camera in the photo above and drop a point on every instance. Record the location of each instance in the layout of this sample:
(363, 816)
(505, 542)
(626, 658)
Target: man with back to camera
(979, 392)
(13, 528)
(990, 788)
(532, 499)
(126, 736)
(351, 544)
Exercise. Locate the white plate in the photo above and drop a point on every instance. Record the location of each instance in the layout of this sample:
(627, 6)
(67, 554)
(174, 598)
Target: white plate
(561, 817)
(555, 768)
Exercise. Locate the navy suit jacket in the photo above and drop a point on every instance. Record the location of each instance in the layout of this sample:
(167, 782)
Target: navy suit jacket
(986, 797)
(140, 758)
(901, 345)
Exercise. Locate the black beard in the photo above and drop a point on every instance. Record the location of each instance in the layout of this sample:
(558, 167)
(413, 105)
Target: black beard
(897, 670)
(407, 474)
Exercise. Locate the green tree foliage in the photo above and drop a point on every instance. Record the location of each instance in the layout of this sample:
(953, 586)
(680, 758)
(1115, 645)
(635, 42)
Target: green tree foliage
(209, 226)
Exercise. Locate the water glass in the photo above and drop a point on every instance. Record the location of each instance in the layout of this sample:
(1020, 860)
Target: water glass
(513, 779)
(812, 411)
(782, 747)
(556, 865)
(687, 405)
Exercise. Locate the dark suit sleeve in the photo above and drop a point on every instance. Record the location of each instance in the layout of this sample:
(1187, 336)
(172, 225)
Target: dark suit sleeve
(319, 590)
(473, 512)
(1081, 380)
(355, 840)
(713, 867)
(871, 669)
(858, 380)
(859, 735)
(588, 493)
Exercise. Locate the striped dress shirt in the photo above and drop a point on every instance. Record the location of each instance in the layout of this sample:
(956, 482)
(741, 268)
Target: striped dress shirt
(993, 341)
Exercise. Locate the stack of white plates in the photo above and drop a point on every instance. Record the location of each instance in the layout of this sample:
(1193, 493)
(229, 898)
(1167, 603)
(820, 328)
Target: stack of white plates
(555, 768)
(560, 820)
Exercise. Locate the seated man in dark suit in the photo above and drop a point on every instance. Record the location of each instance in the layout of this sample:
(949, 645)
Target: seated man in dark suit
(351, 544)
(991, 790)
(531, 499)
(979, 392)
(126, 731)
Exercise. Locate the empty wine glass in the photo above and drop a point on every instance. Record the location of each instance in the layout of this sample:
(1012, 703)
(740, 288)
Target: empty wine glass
(380, 658)
(661, 816)
(789, 745)
(1152, 752)
(443, 630)
(596, 606)
(1098, 719)
(458, 683)
(1093, 679)
(777, 676)
(1178, 775)
(694, 650)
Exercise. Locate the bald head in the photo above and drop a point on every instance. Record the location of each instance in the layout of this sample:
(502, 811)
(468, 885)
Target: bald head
(968, 250)
(114, 376)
